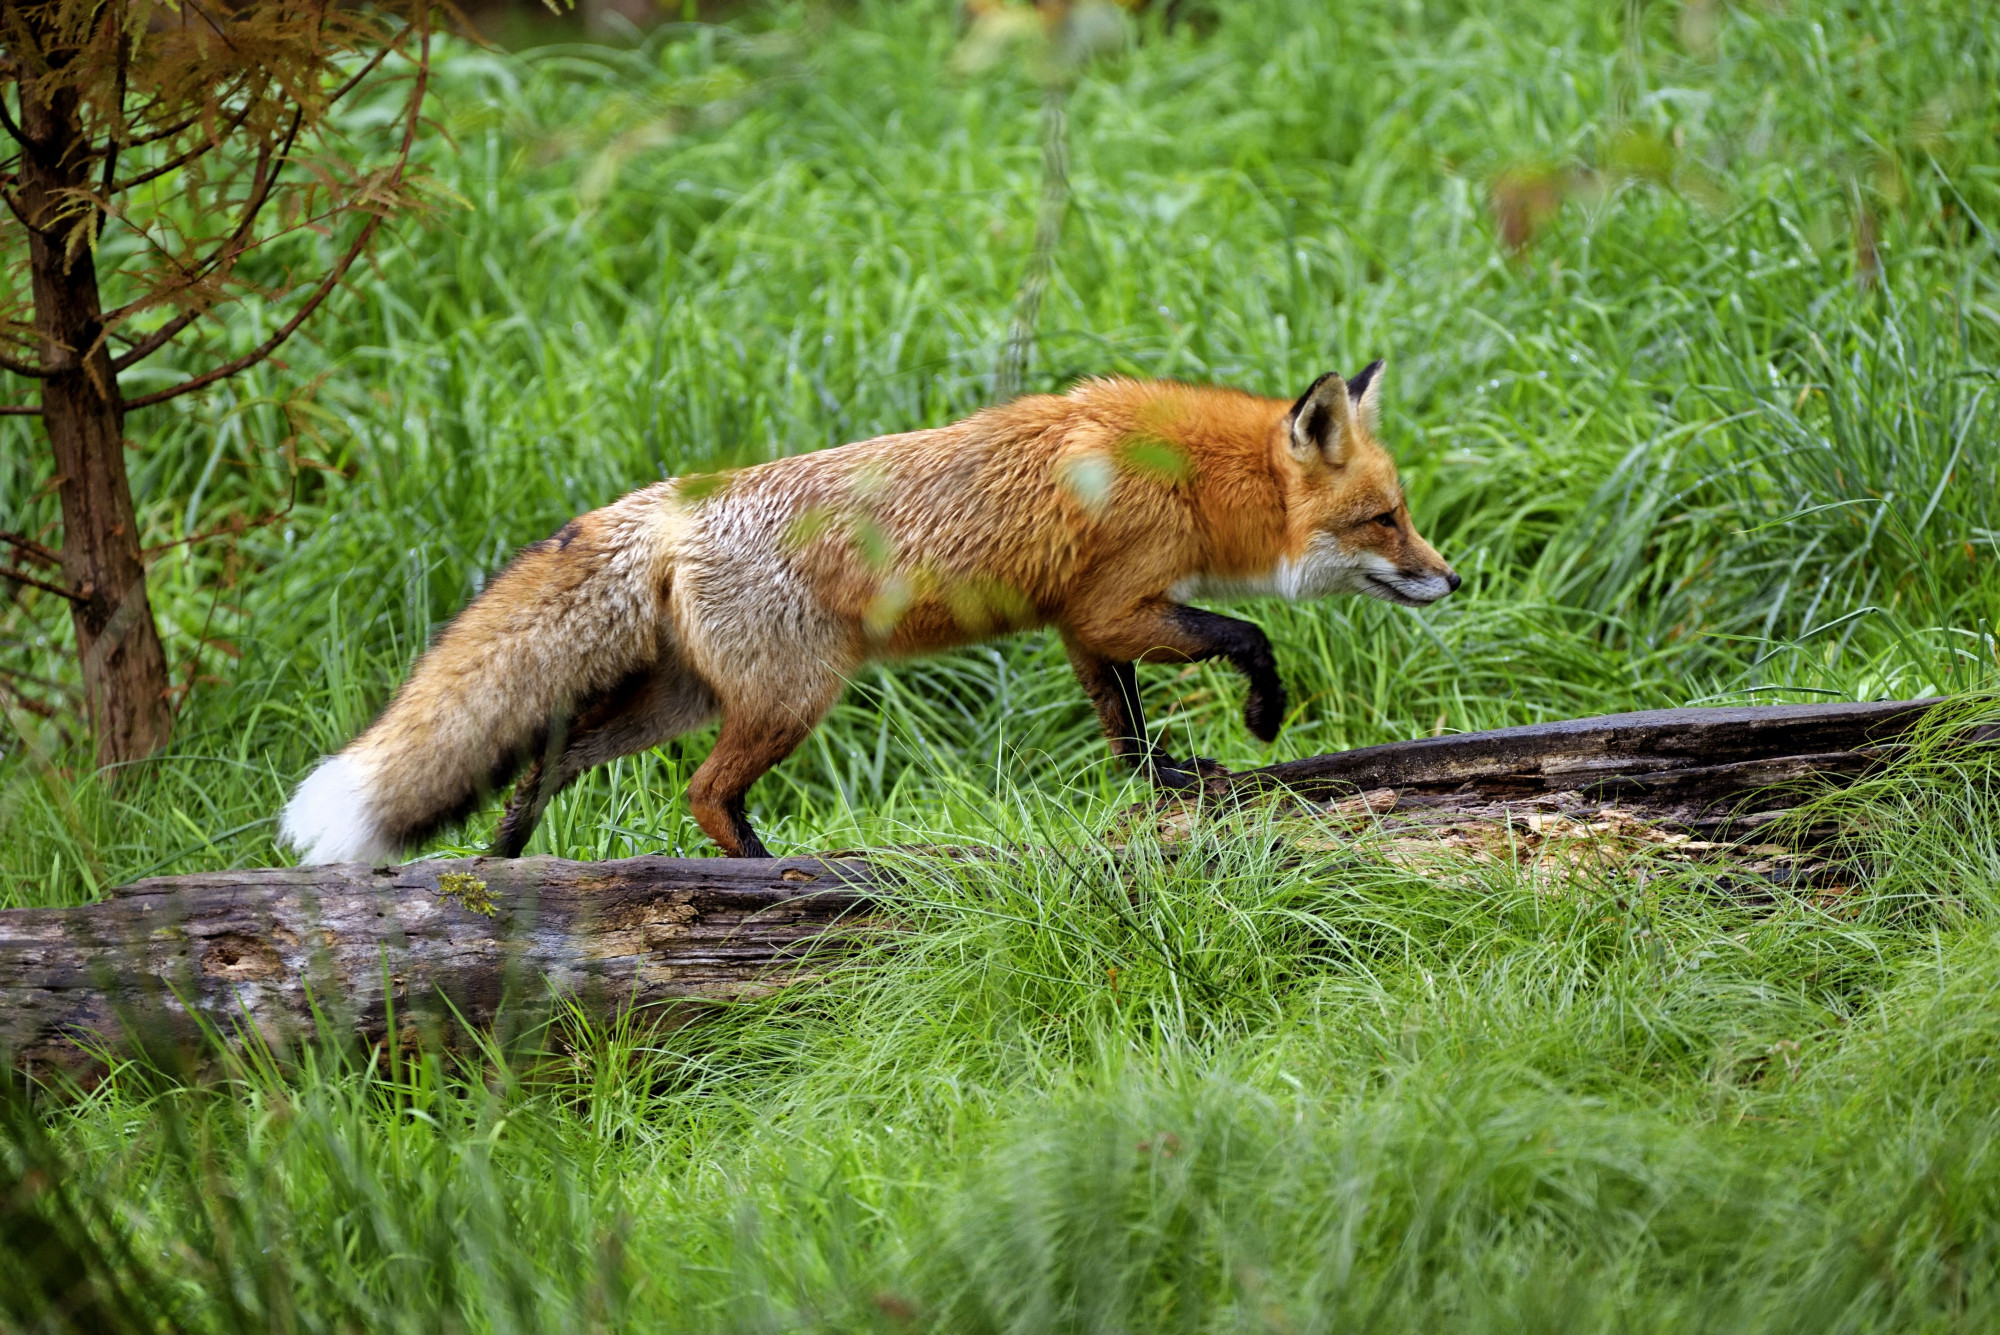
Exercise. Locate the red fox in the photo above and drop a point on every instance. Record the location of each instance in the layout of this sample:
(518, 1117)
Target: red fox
(752, 596)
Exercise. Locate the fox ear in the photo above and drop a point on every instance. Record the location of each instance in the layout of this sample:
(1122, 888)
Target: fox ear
(1318, 422)
(1366, 392)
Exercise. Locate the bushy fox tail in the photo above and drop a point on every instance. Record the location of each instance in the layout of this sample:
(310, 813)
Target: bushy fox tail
(570, 618)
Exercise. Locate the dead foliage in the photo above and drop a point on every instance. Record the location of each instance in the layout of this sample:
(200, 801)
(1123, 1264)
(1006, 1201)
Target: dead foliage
(1552, 839)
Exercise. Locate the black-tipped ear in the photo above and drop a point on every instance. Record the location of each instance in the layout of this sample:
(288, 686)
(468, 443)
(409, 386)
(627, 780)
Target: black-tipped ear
(1365, 390)
(1318, 422)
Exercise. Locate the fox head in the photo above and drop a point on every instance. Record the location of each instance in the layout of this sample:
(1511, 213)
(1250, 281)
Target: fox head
(1349, 528)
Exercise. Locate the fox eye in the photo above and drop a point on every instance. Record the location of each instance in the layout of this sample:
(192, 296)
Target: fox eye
(1387, 519)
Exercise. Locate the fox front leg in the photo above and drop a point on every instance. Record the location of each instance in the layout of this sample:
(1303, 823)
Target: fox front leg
(1248, 649)
(1159, 631)
(1113, 686)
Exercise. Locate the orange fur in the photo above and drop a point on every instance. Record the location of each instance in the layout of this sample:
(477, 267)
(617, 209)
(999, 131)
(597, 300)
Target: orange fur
(756, 594)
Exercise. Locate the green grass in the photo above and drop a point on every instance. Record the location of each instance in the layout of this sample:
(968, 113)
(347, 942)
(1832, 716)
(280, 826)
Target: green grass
(1696, 442)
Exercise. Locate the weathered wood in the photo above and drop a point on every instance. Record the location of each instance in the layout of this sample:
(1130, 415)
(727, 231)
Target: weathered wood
(427, 939)
(1688, 765)
(440, 942)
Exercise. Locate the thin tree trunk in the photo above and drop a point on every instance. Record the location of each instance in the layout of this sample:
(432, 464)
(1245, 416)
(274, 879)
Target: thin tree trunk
(124, 666)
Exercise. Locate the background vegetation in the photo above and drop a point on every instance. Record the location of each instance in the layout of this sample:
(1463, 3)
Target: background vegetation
(1692, 321)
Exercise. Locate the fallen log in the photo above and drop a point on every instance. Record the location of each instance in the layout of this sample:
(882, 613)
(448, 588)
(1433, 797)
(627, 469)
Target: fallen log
(459, 943)
(431, 945)
(1691, 767)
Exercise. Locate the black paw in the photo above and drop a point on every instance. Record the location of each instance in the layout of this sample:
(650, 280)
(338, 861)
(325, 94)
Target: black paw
(1264, 713)
(517, 826)
(1181, 775)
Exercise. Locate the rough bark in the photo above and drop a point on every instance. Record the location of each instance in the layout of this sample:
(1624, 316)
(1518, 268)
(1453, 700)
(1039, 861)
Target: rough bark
(435, 944)
(439, 943)
(1689, 766)
(124, 666)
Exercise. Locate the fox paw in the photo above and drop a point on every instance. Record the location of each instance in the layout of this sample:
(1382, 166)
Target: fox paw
(1264, 713)
(1179, 775)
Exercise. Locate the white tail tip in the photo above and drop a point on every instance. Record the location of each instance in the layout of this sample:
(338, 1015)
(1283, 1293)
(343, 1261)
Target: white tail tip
(328, 818)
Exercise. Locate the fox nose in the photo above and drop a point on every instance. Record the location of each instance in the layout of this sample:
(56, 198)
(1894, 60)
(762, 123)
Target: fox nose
(1453, 580)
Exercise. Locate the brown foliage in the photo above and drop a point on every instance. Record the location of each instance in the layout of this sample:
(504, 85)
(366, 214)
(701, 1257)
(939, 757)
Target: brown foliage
(206, 133)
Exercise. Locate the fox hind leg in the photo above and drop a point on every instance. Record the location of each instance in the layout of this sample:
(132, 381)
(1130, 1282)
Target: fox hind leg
(639, 713)
(776, 657)
(751, 744)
